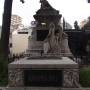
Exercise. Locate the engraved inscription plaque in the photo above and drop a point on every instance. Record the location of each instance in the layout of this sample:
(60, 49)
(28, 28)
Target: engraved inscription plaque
(43, 78)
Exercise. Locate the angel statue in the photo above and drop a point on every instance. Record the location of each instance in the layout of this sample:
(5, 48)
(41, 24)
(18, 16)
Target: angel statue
(53, 40)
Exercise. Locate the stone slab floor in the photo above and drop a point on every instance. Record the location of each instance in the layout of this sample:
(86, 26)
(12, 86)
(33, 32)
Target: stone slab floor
(40, 88)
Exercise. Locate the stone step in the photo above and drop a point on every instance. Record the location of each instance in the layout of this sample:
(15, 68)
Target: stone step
(43, 88)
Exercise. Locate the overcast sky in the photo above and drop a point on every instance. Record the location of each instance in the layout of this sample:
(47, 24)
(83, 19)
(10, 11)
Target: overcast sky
(70, 9)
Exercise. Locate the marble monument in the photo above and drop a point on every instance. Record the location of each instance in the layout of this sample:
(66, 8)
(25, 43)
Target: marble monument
(48, 62)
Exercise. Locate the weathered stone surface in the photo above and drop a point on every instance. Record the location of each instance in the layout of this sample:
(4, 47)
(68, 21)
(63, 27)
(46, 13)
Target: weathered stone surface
(69, 68)
(44, 63)
(43, 56)
(71, 78)
(48, 27)
(44, 88)
(15, 77)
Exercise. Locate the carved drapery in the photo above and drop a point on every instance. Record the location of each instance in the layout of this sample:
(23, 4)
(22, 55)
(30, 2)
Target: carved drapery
(71, 78)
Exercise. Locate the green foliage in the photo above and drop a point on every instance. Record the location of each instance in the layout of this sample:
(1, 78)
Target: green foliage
(85, 77)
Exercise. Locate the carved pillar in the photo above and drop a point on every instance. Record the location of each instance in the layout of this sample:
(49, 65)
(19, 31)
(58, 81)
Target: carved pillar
(71, 78)
(15, 77)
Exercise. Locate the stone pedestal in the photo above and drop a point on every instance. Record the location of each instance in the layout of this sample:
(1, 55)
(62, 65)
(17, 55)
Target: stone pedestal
(47, 59)
(68, 67)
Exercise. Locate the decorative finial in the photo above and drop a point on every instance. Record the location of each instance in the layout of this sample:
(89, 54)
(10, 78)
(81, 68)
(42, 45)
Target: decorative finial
(42, 0)
(22, 1)
(45, 4)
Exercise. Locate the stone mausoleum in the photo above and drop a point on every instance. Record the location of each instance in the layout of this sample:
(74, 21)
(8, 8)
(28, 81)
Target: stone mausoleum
(48, 62)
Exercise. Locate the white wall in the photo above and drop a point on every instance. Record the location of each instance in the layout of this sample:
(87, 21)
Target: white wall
(19, 42)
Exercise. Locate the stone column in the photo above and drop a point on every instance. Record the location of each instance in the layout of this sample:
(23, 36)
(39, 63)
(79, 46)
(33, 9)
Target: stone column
(71, 78)
(15, 77)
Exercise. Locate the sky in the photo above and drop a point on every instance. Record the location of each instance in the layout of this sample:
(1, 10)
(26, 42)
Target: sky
(71, 10)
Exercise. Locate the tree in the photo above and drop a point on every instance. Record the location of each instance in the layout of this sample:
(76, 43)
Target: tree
(6, 27)
(4, 48)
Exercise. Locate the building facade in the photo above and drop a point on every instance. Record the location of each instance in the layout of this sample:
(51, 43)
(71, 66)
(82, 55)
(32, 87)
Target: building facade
(16, 22)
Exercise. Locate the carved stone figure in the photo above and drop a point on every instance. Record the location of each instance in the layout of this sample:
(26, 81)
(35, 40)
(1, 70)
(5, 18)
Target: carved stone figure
(53, 40)
(15, 77)
(71, 78)
(76, 26)
(48, 51)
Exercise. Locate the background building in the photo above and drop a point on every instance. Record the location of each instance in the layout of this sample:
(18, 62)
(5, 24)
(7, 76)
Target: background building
(82, 23)
(68, 26)
(85, 24)
(16, 21)
(19, 42)
(65, 25)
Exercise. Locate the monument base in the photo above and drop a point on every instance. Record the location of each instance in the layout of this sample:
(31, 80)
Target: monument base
(44, 88)
(44, 73)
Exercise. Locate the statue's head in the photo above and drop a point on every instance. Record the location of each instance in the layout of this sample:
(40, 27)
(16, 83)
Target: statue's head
(52, 26)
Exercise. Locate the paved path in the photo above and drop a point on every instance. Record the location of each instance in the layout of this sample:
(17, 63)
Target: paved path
(40, 88)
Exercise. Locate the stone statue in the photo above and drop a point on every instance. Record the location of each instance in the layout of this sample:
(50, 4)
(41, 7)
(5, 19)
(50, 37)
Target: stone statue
(76, 26)
(53, 40)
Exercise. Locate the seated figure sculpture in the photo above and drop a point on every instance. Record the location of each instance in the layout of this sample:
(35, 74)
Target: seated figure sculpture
(53, 41)
(49, 39)
(56, 41)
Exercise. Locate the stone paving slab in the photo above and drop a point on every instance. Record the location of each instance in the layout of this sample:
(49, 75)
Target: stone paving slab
(41, 88)
(39, 63)
(2, 88)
